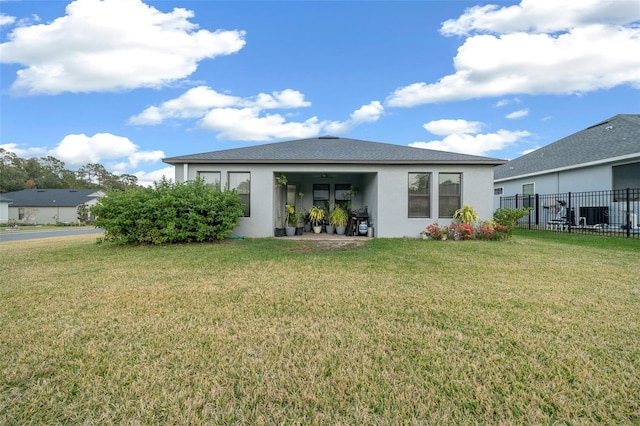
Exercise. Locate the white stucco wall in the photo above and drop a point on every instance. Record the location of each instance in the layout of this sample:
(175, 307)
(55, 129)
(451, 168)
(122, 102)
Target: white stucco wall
(383, 189)
(4, 212)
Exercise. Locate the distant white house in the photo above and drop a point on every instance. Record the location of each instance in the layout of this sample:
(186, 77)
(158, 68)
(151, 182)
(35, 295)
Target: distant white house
(49, 206)
(605, 156)
(403, 188)
(590, 178)
(4, 208)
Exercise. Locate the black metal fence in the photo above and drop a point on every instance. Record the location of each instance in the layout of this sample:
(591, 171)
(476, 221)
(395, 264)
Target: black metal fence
(613, 212)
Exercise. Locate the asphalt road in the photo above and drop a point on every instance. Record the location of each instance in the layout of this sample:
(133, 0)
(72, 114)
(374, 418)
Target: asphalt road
(49, 233)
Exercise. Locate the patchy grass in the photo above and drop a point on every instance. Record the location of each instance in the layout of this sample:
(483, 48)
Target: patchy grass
(533, 330)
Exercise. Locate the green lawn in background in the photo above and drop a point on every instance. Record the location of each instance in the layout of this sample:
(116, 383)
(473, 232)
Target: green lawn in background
(540, 329)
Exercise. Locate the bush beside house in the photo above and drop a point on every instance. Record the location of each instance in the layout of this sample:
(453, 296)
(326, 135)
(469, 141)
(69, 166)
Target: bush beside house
(168, 213)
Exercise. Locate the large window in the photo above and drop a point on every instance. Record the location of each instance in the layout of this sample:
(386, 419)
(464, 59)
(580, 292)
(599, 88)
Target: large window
(210, 178)
(450, 194)
(341, 195)
(321, 194)
(419, 195)
(528, 191)
(241, 182)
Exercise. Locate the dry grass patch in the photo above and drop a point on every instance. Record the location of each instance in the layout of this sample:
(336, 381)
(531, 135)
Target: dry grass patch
(273, 331)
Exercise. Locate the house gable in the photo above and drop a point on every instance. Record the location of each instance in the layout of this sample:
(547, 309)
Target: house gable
(615, 139)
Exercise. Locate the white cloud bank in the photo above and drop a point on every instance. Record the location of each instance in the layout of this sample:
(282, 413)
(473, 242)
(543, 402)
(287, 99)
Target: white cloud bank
(536, 47)
(108, 45)
(249, 119)
(464, 137)
(117, 153)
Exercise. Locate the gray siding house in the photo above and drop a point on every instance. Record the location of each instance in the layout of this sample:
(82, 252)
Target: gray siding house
(403, 189)
(49, 206)
(605, 156)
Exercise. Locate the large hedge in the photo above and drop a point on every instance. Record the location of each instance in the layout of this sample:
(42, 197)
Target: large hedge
(168, 213)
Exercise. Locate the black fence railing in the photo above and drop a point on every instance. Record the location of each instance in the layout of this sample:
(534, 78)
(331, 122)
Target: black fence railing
(613, 212)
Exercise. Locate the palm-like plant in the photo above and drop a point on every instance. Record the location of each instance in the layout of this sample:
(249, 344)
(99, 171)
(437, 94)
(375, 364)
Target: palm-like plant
(338, 216)
(316, 215)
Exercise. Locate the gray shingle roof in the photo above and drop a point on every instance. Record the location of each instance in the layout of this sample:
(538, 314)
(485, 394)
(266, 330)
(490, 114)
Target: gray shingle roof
(331, 149)
(52, 197)
(619, 136)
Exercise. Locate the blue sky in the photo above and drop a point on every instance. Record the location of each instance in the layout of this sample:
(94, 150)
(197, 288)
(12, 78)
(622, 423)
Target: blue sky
(126, 83)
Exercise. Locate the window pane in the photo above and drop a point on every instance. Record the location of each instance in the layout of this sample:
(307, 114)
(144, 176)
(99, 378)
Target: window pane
(528, 189)
(210, 178)
(450, 193)
(419, 197)
(241, 182)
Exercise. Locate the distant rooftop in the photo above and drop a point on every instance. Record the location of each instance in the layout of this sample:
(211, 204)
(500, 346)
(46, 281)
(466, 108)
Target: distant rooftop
(616, 137)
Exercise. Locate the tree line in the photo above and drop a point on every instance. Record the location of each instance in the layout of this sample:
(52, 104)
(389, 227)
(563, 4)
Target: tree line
(49, 172)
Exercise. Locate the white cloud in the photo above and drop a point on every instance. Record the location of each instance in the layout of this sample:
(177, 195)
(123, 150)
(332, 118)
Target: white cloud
(462, 136)
(450, 127)
(504, 102)
(247, 119)
(198, 101)
(248, 124)
(366, 114)
(575, 56)
(148, 178)
(517, 114)
(6, 19)
(24, 152)
(107, 45)
(546, 16)
(103, 148)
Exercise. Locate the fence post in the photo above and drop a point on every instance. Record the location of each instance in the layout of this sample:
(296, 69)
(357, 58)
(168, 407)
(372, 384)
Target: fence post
(568, 218)
(628, 215)
(529, 204)
(537, 209)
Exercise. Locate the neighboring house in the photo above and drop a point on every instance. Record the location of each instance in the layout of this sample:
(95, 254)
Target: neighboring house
(605, 156)
(49, 206)
(403, 188)
(4, 208)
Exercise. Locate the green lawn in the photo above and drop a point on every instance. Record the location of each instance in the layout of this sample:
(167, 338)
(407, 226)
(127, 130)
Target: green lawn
(541, 329)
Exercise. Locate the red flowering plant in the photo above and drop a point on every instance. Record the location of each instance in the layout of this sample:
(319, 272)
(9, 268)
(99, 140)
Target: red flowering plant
(486, 230)
(433, 231)
(462, 231)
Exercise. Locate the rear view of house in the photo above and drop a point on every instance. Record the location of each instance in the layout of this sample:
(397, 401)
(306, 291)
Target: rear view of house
(402, 188)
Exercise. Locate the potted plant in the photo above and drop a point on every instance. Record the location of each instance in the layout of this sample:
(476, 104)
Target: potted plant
(316, 216)
(338, 218)
(466, 214)
(281, 186)
(292, 220)
(307, 221)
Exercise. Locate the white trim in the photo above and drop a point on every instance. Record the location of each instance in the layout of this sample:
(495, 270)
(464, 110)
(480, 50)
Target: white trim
(575, 166)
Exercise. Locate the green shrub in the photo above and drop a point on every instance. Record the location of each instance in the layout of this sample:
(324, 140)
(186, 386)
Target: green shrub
(509, 217)
(168, 213)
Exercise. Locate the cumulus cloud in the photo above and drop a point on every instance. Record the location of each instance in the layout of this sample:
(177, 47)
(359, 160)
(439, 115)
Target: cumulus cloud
(24, 152)
(107, 45)
(117, 153)
(6, 19)
(536, 47)
(249, 118)
(545, 16)
(463, 137)
(148, 178)
(198, 101)
(450, 127)
(366, 114)
(517, 114)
